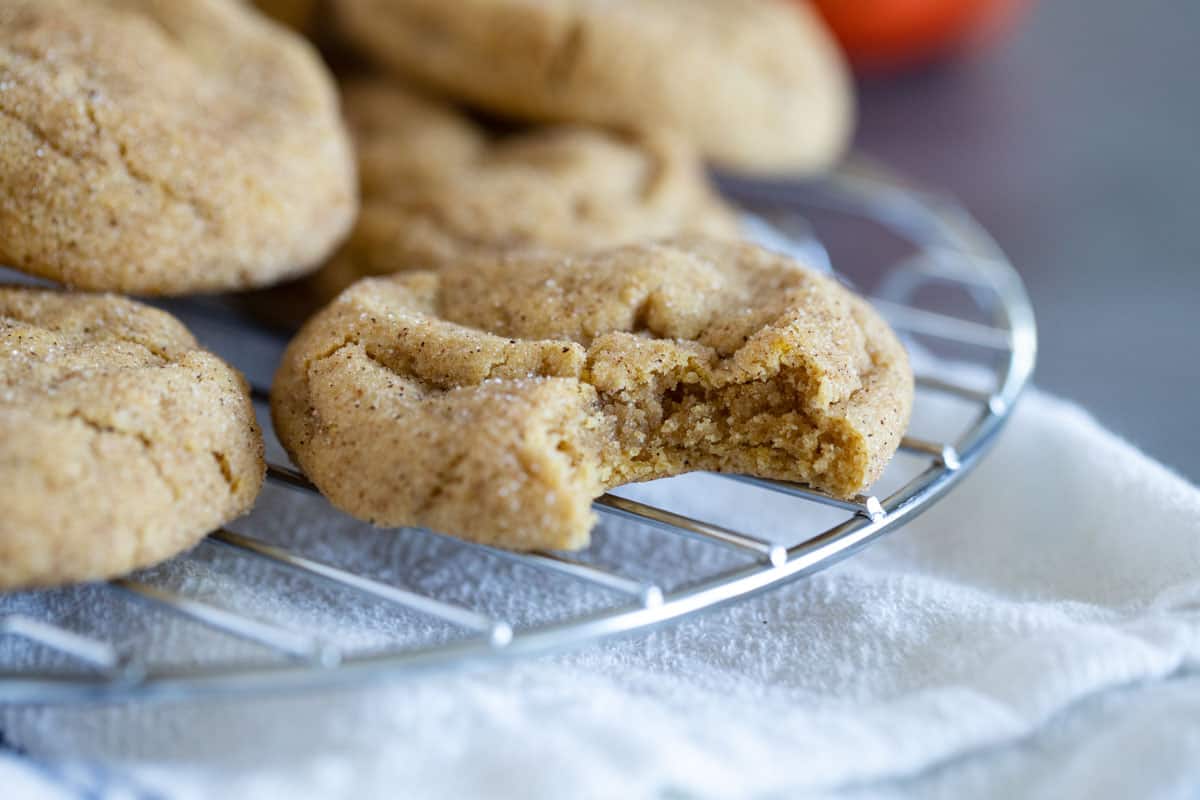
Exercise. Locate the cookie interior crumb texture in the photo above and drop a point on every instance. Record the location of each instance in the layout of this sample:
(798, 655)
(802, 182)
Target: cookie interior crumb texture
(758, 85)
(166, 146)
(497, 398)
(437, 187)
(122, 442)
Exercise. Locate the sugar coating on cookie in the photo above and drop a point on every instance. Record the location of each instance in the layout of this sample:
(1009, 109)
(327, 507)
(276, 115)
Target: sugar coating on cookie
(122, 442)
(497, 398)
(759, 84)
(438, 187)
(166, 146)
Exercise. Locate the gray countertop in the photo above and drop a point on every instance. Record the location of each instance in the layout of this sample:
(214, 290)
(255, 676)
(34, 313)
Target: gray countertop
(1077, 143)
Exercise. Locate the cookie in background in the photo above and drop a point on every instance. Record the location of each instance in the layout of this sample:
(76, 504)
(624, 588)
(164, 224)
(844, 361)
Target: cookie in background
(313, 19)
(166, 147)
(439, 186)
(757, 85)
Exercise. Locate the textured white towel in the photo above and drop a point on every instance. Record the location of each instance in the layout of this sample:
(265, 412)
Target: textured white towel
(1035, 634)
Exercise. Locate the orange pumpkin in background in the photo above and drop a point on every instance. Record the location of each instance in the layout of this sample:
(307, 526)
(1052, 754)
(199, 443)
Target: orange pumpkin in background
(886, 35)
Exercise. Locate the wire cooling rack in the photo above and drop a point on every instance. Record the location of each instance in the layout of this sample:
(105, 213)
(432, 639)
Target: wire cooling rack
(938, 249)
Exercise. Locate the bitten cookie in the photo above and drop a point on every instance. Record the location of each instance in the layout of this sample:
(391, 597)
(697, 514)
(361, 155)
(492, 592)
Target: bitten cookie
(437, 187)
(758, 84)
(497, 398)
(122, 442)
(166, 146)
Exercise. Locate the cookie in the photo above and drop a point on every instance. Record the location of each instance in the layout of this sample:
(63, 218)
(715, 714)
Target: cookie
(438, 187)
(122, 442)
(496, 398)
(759, 85)
(166, 146)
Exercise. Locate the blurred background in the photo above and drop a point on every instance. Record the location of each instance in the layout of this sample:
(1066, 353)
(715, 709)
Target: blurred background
(1075, 139)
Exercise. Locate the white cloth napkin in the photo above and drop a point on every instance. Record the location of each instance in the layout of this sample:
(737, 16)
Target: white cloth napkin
(1035, 634)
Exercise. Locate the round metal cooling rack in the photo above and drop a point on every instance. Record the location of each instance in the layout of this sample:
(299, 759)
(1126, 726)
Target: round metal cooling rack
(946, 251)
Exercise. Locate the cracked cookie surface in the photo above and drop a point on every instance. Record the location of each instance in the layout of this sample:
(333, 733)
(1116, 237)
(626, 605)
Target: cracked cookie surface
(495, 399)
(166, 146)
(757, 84)
(438, 187)
(122, 442)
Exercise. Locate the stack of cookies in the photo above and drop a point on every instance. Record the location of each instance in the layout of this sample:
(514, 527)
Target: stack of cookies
(516, 285)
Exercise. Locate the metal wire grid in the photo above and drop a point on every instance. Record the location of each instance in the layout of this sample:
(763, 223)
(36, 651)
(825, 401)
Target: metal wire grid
(951, 250)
